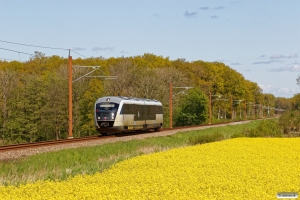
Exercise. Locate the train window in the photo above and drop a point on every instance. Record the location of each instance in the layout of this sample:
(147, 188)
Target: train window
(136, 112)
(150, 112)
(107, 107)
(159, 110)
(127, 109)
(139, 112)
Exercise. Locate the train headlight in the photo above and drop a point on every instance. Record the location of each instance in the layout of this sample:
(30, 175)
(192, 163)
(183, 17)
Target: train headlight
(98, 117)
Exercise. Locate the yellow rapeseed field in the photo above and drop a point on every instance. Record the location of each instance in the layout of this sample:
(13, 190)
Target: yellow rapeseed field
(242, 168)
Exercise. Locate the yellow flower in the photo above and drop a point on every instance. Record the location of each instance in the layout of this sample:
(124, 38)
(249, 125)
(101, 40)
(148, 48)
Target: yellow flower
(242, 168)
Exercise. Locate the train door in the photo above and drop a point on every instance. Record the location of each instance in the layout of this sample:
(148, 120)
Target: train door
(139, 115)
(144, 110)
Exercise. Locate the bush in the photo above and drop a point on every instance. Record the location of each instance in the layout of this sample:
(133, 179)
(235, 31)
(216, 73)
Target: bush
(290, 121)
(267, 128)
(237, 135)
(255, 133)
(206, 138)
(192, 109)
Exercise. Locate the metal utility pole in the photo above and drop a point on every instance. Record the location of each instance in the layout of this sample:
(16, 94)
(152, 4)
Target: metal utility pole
(245, 111)
(70, 136)
(171, 103)
(211, 105)
(210, 120)
(171, 114)
(254, 110)
(260, 110)
(231, 107)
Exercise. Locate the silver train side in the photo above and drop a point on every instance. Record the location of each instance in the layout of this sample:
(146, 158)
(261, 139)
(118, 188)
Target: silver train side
(116, 114)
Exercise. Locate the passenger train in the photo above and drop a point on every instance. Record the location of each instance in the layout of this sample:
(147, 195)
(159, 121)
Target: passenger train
(118, 114)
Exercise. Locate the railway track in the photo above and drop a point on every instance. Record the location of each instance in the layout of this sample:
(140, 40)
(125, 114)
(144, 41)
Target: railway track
(73, 140)
(47, 143)
(93, 138)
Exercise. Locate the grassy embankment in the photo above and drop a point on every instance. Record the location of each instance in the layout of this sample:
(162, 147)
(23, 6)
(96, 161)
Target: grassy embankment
(87, 160)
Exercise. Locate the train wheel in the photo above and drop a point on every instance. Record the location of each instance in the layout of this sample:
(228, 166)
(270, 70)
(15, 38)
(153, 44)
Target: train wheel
(125, 129)
(104, 134)
(157, 129)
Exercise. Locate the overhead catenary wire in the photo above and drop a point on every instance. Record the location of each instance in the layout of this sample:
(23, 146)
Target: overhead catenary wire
(78, 53)
(16, 51)
(29, 45)
(6, 59)
(39, 46)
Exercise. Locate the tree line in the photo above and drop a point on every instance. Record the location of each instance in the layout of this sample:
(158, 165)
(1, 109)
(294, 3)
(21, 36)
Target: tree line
(34, 94)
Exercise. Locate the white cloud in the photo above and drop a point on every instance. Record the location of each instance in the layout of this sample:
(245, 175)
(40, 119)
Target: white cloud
(190, 14)
(279, 56)
(219, 7)
(293, 56)
(236, 63)
(78, 49)
(208, 8)
(274, 58)
(221, 61)
(262, 57)
(204, 8)
(266, 62)
(266, 87)
(285, 90)
(291, 68)
(279, 92)
(103, 49)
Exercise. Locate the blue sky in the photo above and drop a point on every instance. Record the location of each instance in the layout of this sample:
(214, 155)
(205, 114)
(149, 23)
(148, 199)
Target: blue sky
(259, 39)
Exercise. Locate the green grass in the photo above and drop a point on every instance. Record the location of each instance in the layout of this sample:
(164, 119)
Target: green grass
(62, 164)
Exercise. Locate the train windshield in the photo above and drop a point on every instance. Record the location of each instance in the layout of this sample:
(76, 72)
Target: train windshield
(107, 106)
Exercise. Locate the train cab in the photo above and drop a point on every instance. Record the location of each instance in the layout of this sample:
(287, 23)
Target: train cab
(106, 113)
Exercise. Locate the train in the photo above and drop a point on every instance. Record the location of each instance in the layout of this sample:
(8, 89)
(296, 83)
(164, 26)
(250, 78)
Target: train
(120, 114)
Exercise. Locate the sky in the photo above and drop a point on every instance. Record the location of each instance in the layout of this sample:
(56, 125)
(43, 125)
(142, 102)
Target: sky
(258, 38)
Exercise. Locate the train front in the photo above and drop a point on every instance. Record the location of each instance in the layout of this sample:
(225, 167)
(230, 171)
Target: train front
(106, 110)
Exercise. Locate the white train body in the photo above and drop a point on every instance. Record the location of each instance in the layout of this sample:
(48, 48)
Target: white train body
(115, 114)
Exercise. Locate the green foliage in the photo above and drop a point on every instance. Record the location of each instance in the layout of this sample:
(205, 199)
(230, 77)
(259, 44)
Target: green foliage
(266, 128)
(283, 103)
(269, 128)
(295, 102)
(290, 122)
(192, 109)
(206, 138)
(34, 94)
(238, 135)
